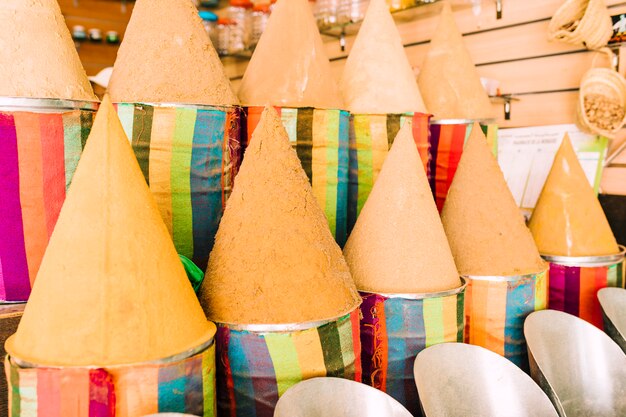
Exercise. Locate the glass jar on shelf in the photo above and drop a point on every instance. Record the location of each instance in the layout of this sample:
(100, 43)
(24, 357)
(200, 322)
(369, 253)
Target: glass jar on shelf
(209, 21)
(223, 36)
(258, 22)
(239, 13)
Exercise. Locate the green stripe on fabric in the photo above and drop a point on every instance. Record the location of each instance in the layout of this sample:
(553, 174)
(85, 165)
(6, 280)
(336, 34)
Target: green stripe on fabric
(182, 147)
(460, 316)
(208, 382)
(364, 160)
(126, 112)
(344, 328)
(433, 321)
(304, 146)
(332, 166)
(393, 127)
(86, 121)
(72, 138)
(289, 118)
(611, 276)
(14, 387)
(331, 348)
(284, 359)
(142, 132)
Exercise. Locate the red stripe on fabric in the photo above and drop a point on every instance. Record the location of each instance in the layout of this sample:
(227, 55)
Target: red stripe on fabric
(230, 384)
(101, 394)
(53, 155)
(421, 136)
(456, 150)
(355, 318)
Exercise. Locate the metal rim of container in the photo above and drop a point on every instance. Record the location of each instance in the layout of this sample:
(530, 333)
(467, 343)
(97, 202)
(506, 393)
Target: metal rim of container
(505, 278)
(461, 121)
(183, 105)
(588, 261)
(422, 296)
(283, 328)
(170, 359)
(25, 103)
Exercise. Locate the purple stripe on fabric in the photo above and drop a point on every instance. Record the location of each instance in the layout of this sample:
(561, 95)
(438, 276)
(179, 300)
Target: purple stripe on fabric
(435, 133)
(556, 280)
(572, 290)
(262, 375)
(101, 394)
(367, 336)
(12, 249)
(194, 393)
(3, 294)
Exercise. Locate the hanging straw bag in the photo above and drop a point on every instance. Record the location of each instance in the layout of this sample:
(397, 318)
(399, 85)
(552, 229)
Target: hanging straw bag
(601, 108)
(582, 21)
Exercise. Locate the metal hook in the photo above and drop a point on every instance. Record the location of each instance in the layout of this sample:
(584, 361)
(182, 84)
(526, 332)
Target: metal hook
(499, 10)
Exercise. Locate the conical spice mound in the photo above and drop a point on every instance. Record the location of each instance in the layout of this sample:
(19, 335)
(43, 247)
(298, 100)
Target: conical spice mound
(275, 260)
(568, 219)
(485, 228)
(111, 289)
(448, 79)
(378, 78)
(167, 57)
(289, 67)
(38, 58)
(398, 244)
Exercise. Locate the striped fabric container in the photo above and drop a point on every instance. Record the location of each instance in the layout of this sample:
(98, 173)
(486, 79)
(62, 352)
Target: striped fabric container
(182, 384)
(189, 156)
(320, 137)
(257, 364)
(41, 142)
(447, 139)
(575, 282)
(396, 327)
(495, 310)
(371, 137)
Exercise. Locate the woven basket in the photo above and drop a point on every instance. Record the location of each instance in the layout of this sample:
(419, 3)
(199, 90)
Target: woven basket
(605, 82)
(586, 22)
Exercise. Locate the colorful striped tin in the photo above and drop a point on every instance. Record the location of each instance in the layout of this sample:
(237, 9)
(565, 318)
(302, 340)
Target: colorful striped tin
(189, 156)
(396, 327)
(256, 364)
(41, 141)
(495, 310)
(183, 384)
(371, 137)
(320, 137)
(575, 282)
(447, 139)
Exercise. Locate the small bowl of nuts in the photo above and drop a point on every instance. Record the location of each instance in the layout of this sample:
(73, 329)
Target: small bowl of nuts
(602, 102)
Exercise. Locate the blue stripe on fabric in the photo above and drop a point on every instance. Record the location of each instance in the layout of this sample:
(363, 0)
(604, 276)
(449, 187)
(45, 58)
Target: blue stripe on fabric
(241, 373)
(263, 376)
(172, 381)
(397, 350)
(520, 302)
(194, 389)
(206, 181)
(341, 228)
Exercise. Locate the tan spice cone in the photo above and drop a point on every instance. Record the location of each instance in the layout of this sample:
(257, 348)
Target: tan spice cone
(568, 219)
(111, 289)
(398, 244)
(38, 58)
(484, 226)
(167, 57)
(275, 260)
(289, 67)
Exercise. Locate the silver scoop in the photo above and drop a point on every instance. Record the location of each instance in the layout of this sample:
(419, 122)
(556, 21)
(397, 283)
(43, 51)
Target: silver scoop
(580, 368)
(335, 397)
(613, 302)
(457, 380)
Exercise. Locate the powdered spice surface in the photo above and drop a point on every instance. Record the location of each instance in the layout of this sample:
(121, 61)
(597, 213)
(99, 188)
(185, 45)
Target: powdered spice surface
(167, 57)
(38, 58)
(398, 244)
(275, 260)
(485, 228)
(568, 219)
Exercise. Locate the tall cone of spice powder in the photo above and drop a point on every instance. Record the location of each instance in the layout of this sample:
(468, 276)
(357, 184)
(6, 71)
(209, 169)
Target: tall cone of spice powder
(289, 67)
(486, 231)
(167, 57)
(111, 289)
(448, 79)
(378, 78)
(568, 219)
(275, 260)
(398, 244)
(38, 58)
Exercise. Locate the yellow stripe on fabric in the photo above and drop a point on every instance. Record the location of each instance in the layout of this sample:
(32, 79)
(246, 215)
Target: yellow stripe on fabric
(450, 324)
(137, 390)
(433, 321)
(477, 312)
(492, 139)
(318, 158)
(310, 356)
(208, 382)
(496, 316)
(380, 143)
(344, 327)
(332, 166)
(182, 215)
(163, 127)
(28, 393)
(285, 360)
(364, 159)
(541, 291)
